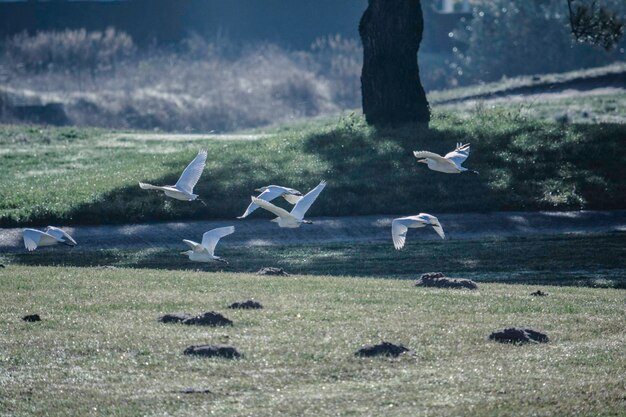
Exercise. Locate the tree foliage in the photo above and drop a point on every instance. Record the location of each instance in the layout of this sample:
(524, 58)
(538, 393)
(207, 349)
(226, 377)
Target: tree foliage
(518, 37)
(595, 24)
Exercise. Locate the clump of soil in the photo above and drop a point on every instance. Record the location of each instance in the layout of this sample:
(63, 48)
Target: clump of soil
(174, 317)
(272, 271)
(194, 391)
(439, 280)
(210, 318)
(32, 317)
(249, 304)
(222, 351)
(383, 349)
(518, 335)
(538, 293)
(2, 266)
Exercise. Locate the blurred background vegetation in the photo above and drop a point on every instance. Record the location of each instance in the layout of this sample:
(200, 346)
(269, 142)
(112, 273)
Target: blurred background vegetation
(221, 66)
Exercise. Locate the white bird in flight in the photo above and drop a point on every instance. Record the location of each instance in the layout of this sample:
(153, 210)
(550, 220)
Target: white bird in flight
(183, 189)
(401, 225)
(50, 236)
(270, 192)
(296, 217)
(205, 251)
(449, 164)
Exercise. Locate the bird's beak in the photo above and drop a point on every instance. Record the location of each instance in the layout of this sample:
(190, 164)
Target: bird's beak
(184, 253)
(258, 190)
(422, 161)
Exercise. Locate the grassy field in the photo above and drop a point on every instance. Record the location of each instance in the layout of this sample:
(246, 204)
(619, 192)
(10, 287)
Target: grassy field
(541, 82)
(70, 175)
(609, 107)
(590, 260)
(100, 350)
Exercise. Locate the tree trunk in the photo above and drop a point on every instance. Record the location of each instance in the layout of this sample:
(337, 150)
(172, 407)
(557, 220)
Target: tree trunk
(391, 32)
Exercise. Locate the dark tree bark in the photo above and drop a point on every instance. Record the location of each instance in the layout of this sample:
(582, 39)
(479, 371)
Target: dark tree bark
(391, 32)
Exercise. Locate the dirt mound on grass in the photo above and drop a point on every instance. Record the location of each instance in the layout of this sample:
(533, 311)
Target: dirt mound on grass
(249, 304)
(210, 318)
(194, 391)
(272, 271)
(518, 335)
(382, 349)
(32, 317)
(222, 351)
(538, 293)
(439, 280)
(174, 317)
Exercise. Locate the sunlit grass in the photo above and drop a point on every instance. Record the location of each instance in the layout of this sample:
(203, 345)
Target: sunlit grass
(577, 108)
(75, 175)
(100, 350)
(505, 84)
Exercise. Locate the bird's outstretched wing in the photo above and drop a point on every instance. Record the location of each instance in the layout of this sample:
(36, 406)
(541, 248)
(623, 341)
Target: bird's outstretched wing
(436, 157)
(291, 198)
(280, 212)
(439, 230)
(267, 195)
(430, 220)
(305, 202)
(145, 186)
(190, 176)
(398, 232)
(430, 155)
(460, 154)
(210, 238)
(60, 235)
(193, 245)
(31, 238)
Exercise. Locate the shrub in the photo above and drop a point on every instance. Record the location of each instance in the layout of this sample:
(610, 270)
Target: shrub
(197, 85)
(340, 60)
(71, 51)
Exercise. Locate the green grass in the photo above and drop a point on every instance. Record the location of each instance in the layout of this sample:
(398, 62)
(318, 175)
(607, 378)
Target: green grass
(591, 260)
(601, 108)
(70, 175)
(100, 350)
(541, 80)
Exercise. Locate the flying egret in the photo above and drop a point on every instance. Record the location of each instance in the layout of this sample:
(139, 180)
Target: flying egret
(183, 189)
(271, 192)
(50, 236)
(449, 164)
(401, 225)
(204, 252)
(296, 217)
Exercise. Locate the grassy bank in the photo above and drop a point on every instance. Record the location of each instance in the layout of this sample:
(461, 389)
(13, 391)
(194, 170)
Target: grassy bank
(607, 76)
(101, 351)
(90, 176)
(589, 260)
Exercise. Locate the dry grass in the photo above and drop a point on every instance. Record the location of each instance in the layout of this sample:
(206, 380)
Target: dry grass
(197, 86)
(100, 351)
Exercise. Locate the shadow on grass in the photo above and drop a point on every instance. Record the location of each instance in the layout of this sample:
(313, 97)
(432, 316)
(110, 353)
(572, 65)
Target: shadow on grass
(589, 260)
(524, 165)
